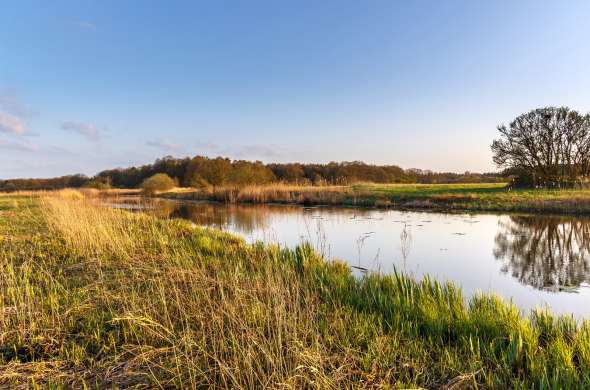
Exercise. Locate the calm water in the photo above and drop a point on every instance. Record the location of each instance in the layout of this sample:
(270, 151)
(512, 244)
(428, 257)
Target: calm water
(533, 260)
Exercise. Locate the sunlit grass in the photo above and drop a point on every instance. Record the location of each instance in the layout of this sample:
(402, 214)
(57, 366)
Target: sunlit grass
(480, 191)
(492, 197)
(477, 197)
(434, 188)
(269, 193)
(105, 298)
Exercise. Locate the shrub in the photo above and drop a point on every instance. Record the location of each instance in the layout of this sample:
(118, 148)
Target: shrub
(98, 184)
(197, 181)
(157, 182)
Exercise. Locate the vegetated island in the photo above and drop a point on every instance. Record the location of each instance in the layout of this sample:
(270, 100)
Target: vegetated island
(93, 297)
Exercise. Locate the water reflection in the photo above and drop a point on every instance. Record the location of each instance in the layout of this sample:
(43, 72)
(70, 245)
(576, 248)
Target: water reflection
(534, 261)
(240, 218)
(550, 253)
(244, 220)
(405, 238)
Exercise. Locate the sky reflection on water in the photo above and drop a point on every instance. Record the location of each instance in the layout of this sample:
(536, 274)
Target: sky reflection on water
(533, 260)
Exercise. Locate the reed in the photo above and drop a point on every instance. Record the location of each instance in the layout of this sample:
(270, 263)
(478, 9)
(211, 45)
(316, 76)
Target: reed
(95, 297)
(476, 197)
(273, 193)
(14, 194)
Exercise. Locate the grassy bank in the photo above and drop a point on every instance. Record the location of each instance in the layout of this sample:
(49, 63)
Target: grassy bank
(105, 298)
(475, 197)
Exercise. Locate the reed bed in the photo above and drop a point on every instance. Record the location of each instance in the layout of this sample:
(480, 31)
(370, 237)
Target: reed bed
(100, 298)
(14, 194)
(277, 193)
(72, 192)
(476, 197)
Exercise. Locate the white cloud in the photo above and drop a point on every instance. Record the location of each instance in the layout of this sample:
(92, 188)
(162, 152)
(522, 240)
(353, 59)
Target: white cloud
(12, 124)
(85, 129)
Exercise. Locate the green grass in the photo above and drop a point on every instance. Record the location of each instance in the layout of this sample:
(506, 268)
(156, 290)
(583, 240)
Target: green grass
(103, 298)
(491, 197)
(476, 197)
(424, 190)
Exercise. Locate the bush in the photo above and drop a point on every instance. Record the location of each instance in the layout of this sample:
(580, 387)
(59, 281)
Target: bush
(156, 183)
(98, 184)
(197, 181)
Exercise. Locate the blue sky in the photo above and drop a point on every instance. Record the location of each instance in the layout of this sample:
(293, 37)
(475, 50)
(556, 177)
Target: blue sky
(91, 85)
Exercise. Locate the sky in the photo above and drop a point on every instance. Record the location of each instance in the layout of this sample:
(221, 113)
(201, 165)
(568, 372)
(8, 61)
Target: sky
(93, 85)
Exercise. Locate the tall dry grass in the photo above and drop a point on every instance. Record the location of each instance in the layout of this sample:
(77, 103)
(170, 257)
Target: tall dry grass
(95, 297)
(21, 194)
(281, 193)
(274, 193)
(150, 303)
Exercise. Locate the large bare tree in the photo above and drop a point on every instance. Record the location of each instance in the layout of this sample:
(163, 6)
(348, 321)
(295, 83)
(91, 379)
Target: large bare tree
(551, 145)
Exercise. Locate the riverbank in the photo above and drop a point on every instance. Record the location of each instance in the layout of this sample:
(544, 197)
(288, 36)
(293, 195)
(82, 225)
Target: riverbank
(435, 197)
(106, 298)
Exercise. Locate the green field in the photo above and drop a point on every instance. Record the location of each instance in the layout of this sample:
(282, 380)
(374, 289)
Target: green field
(105, 299)
(434, 189)
(470, 197)
(490, 197)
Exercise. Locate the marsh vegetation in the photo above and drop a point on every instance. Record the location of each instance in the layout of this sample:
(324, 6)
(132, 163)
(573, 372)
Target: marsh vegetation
(106, 298)
(100, 297)
(470, 197)
(533, 260)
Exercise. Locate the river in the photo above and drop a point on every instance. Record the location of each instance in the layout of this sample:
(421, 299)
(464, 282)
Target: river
(535, 261)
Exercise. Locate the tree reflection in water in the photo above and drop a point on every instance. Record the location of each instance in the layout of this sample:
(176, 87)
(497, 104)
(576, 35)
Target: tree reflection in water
(242, 219)
(550, 253)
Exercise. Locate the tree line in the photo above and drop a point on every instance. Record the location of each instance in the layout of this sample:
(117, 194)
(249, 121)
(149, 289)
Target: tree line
(546, 147)
(70, 181)
(201, 172)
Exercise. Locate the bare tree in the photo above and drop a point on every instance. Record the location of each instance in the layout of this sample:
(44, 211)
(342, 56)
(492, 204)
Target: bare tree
(551, 145)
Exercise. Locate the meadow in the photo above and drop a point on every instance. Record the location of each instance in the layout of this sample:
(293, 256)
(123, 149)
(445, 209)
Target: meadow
(101, 298)
(474, 197)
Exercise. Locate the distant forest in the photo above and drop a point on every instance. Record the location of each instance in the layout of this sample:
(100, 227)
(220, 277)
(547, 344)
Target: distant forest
(202, 172)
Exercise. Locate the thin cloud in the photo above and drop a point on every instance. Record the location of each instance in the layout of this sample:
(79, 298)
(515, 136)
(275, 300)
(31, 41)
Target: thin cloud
(13, 115)
(12, 124)
(206, 145)
(10, 103)
(18, 146)
(164, 144)
(85, 129)
(54, 149)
